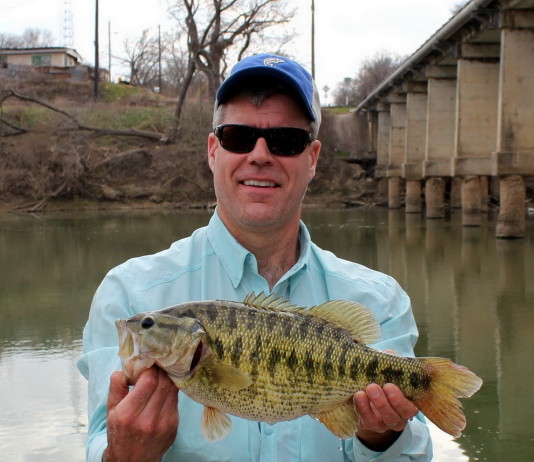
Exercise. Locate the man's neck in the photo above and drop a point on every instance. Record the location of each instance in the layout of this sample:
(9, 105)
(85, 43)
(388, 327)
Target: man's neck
(276, 251)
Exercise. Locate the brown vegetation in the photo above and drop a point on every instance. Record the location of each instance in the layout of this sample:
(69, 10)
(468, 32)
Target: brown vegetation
(57, 145)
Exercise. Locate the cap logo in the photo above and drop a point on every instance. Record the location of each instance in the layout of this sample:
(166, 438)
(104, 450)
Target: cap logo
(272, 61)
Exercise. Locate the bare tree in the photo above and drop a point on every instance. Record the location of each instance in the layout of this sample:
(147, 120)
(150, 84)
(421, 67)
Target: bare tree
(142, 55)
(30, 38)
(218, 30)
(372, 73)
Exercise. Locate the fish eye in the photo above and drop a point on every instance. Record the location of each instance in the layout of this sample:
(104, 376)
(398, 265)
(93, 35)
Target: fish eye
(147, 322)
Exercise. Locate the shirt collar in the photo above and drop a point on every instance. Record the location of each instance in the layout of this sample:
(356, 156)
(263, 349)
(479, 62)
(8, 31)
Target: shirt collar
(235, 258)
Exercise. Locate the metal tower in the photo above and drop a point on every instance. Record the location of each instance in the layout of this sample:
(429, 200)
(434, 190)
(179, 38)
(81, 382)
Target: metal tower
(68, 26)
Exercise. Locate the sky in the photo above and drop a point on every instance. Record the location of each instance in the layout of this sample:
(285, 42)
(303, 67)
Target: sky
(346, 31)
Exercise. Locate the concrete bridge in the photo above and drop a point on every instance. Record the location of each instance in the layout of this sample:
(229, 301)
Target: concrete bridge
(457, 117)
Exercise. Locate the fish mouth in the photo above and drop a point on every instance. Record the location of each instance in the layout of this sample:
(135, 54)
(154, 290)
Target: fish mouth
(133, 363)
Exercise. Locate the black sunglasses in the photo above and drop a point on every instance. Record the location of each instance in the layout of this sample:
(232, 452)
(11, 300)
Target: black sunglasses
(282, 141)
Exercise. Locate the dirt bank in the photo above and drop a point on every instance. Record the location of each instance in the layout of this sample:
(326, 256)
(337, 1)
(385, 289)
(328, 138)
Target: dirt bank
(47, 161)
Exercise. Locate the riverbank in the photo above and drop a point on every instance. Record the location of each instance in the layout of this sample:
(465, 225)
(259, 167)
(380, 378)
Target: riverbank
(50, 160)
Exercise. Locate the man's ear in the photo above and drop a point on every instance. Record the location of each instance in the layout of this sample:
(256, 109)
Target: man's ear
(213, 144)
(314, 157)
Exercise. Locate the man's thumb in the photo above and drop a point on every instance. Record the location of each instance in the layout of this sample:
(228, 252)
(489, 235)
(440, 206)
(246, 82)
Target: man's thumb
(118, 389)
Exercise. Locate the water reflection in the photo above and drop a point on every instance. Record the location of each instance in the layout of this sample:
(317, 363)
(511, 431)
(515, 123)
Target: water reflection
(473, 297)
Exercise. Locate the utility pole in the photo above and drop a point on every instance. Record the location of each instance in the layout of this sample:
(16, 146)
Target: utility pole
(109, 51)
(97, 70)
(159, 58)
(313, 38)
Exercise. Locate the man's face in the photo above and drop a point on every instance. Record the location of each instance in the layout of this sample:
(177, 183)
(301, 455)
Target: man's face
(259, 190)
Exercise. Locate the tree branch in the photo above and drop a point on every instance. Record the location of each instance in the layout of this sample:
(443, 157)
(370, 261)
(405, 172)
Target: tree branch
(161, 137)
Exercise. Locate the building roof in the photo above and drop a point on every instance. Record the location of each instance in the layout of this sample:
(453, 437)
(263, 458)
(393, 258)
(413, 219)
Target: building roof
(22, 51)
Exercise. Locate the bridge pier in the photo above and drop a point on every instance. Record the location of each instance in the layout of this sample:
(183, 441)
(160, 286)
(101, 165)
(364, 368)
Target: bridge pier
(511, 220)
(471, 198)
(414, 201)
(394, 192)
(435, 197)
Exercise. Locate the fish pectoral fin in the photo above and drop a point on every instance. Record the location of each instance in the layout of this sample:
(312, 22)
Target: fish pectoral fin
(342, 420)
(215, 424)
(230, 377)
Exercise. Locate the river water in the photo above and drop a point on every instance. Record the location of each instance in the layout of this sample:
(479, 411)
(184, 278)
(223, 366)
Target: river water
(473, 298)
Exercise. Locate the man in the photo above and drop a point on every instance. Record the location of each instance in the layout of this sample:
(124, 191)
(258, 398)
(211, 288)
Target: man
(263, 153)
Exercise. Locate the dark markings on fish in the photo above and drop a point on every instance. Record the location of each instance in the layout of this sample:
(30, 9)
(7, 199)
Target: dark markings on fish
(304, 327)
(274, 358)
(255, 352)
(237, 350)
(319, 328)
(287, 327)
(343, 358)
(219, 347)
(254, 357)
(355, 368)
(418, 380)
(392, 375)
(232, 318)
(187, 314)
(309, 366)
(415, 380)
(371, 369)
(328, 369)
(292, 361)
(251, 318)
(212, 313)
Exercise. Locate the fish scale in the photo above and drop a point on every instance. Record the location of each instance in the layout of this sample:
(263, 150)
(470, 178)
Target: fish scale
(267, 360)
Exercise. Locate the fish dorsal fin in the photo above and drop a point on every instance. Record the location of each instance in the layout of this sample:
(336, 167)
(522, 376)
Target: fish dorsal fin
(355, 318)
(268, 302)
(358, 320)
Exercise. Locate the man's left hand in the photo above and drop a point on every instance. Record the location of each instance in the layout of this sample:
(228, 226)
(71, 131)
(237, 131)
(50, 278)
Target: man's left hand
(384, 413)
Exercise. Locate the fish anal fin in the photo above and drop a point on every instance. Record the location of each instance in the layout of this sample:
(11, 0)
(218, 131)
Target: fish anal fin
(230, 377)
(342, 420)
(357, 319)
(440, 403)
(215, 424)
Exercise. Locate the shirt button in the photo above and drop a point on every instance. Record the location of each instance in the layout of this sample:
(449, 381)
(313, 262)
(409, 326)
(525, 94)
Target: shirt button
(269, 431)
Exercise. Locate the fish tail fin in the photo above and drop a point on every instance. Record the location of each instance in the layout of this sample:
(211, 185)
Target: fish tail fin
(440, 403)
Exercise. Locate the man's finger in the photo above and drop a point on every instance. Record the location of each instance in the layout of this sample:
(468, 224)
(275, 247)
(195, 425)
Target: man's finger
(118, 389)
(164, 389)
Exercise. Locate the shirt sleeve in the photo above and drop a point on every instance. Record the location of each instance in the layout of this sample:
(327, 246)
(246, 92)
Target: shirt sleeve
(100, 355)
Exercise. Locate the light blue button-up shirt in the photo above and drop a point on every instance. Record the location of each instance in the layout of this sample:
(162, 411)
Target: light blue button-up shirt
(211, 264)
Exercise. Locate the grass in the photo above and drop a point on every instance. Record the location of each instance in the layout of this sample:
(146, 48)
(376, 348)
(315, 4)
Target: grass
(338, 109)
(125, 117)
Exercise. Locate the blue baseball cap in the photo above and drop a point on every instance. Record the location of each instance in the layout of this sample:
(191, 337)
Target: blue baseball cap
(285, 70)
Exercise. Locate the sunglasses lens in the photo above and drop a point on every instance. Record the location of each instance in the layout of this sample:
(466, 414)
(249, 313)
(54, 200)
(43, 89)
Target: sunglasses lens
(287, 141)
(282, 141)
(236, 138)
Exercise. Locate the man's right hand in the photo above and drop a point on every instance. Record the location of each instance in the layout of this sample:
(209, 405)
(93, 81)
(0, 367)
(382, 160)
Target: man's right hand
(141, 423)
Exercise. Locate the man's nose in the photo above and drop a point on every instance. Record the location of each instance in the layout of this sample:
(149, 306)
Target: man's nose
(260, 154)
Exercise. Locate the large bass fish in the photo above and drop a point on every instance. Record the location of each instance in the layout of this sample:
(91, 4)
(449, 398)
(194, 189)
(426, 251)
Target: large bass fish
(267, 360)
